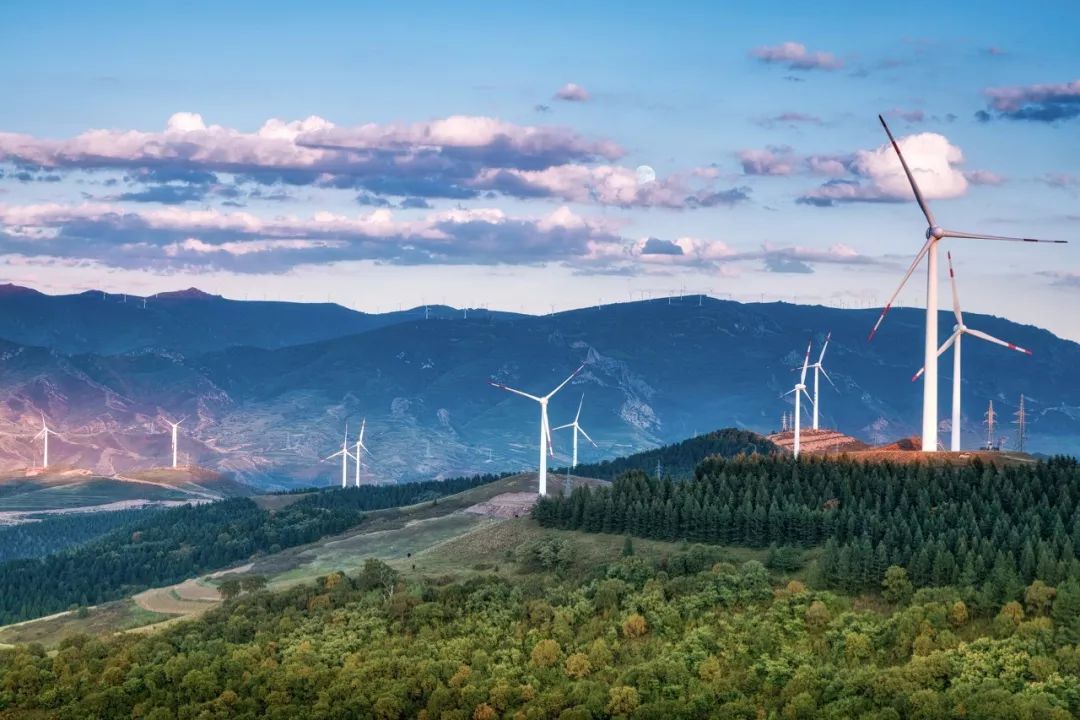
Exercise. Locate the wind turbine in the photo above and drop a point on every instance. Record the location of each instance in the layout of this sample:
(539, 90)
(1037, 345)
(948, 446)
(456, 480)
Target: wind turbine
(934, 233)
(799, 390)
(545, 427)
(577, 429)
(175, 427)
(345, 455)
(959, 331)
(819, 368)
(44, 435)
(360, 446)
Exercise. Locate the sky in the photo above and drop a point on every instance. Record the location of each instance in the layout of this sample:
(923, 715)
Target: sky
(537, 157)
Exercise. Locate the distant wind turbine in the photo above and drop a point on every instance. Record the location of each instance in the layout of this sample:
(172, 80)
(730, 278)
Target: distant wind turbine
(576, 425)
(44, 435)
(175, 438)
(934, 233)
(345, 455)
(545, 427)
(360, 446)
(800, 390)
(959, 331)
(818, 367)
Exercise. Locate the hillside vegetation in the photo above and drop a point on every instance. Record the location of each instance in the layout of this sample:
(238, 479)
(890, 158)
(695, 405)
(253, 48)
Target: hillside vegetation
(172, 545)
(679, 460)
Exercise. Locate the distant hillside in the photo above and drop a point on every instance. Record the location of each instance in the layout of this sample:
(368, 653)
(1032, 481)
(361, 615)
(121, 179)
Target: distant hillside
(656, 373)
(680, 459)
(189, 322)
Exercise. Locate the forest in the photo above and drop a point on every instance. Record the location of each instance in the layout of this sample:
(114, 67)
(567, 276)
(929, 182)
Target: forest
(46, 534)
(991, 528)
(171, 545)
(686, 635)
(680, 460)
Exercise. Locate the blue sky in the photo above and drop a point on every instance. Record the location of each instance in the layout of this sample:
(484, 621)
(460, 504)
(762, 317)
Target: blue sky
(445, 168)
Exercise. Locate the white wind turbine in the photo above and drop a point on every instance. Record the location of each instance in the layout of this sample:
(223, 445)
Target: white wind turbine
(545, 427)
(819, 368)
(576, 425)
(175, 437)
(44, 434)
(360, 446)
(800, 390)
(954, 341)
(934, 233)
(345, 455)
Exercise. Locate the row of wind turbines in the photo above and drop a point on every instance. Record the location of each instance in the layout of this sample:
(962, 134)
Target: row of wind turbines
(46, 431)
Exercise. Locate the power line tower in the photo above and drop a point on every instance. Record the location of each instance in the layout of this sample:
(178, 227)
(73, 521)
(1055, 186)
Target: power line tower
(1021, 424)
(990, 417)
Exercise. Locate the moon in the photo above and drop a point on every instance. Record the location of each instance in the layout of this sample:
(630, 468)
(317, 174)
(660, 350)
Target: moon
(645, 175)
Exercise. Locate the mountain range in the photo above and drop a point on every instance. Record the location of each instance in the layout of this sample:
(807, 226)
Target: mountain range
(268, 387)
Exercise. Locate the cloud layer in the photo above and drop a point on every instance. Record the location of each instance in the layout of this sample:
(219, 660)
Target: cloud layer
(795, 56)
(1037, 103)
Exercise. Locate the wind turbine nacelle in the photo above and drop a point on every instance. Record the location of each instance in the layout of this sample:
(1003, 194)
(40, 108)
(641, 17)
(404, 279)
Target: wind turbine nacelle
(935, 232)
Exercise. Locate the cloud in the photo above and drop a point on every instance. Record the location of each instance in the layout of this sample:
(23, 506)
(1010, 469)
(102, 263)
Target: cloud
(781, 264)
(1062, 278)
(995, 51)
(1063, 181)
(541, 108)
(795, 56)
(656, 246)
(572, 92)
(166, 194)
(790, 119)
(1037, 103)
(171, 237)
(984, 177)
(877, 176)
(438, 158)
(610, 185)
(770, 161)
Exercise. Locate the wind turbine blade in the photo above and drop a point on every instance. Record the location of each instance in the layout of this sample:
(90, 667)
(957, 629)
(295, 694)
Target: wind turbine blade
(808, 398)
(331, 457)
(911, 178)
(363, 424)
(823, 348)
(587, 436)
(990, 338)
(550, 444)
(562, 427)
(580, 403)
(789, 392)
(955, 295)
(907, 276)
(980, 236)
(806, 363)
(827, 376)
(944, 346)
(563, 383)
(512, 390)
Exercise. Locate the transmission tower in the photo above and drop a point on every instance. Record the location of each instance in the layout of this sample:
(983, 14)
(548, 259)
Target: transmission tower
(1021, 424)
(989, 421)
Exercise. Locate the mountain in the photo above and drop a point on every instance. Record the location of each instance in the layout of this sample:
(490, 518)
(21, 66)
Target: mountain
(188, 321)
(656, 372)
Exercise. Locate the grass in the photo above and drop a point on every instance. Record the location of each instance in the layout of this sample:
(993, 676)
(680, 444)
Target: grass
(103, 619)
(88, 493)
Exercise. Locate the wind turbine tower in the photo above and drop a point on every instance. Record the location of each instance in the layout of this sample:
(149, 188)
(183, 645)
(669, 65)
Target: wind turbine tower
(44, 435)
(175, 437)
(345, 455)
(360, 446)
(577, 430)
(820, 369)
(954, 341)
(934, 233)
(799, 390)
(545, 427)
